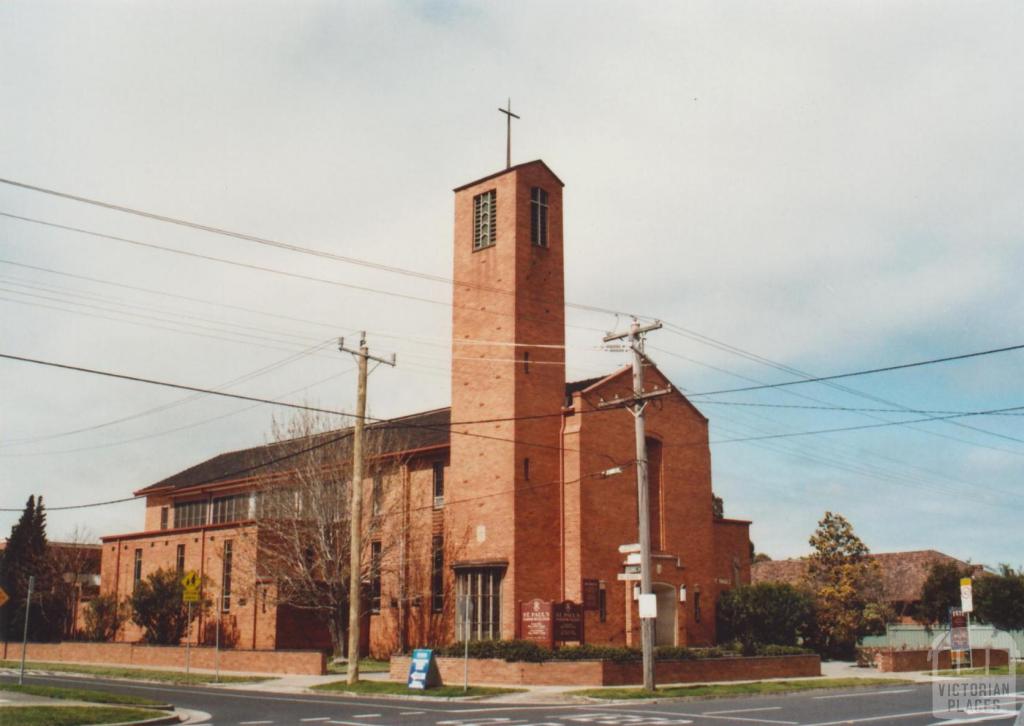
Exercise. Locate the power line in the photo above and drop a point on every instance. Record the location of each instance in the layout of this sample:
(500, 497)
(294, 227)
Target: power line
(869, 371)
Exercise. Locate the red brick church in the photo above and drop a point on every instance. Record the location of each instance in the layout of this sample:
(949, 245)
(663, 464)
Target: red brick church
(495, 501)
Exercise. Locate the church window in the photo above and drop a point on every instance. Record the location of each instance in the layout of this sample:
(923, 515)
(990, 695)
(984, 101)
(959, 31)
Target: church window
(231, 508)
(137, 570)
(438, 484)
(696, 607)
(225, 577)
(378, 493)
(179, 559)
(485, 213)
(375, 576)
(164, 511)
(526, 362)
(437, 575)
(526, 469)
(538, 217)
(190, 514)
(478, 600)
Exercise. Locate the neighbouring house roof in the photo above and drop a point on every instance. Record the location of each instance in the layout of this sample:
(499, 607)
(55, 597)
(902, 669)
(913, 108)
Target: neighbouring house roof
(425, 430)
(903, 573)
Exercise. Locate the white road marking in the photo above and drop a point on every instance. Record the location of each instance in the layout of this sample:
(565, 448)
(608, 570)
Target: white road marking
(411, 713)
(366, 715)
(864, 693)
(872, 718)
(723, 718)
(316, 718)
(745, 710)
(252, 723)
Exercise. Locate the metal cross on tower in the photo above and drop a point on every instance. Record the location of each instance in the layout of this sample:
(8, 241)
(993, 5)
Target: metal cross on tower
(508, 132)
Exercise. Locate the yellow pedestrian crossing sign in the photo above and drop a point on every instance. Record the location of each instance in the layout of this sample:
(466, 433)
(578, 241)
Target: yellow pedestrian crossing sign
(4, 597)
(190, 582)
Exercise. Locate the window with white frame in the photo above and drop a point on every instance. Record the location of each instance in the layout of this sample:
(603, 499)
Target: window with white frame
(190, 514)
(478, 603)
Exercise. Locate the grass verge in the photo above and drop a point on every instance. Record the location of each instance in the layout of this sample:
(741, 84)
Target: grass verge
(993, 671)
(400, 689)
(136, 674)
(79, 694)
(71, 715)
(757, 688)
(366, 665)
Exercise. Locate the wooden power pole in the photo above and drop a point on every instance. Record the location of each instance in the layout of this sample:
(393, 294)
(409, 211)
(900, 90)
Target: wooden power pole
(362, 355)
(636, 406)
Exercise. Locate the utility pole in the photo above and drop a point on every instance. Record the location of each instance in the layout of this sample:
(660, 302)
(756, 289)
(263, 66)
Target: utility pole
(636, 406)
(24, 637)
(362, 355)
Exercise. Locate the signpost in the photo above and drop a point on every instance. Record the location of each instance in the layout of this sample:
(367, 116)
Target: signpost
(535, 622)
(959, 636)
(568, 622)
(190, 583)
(966, 595)
(423, 672)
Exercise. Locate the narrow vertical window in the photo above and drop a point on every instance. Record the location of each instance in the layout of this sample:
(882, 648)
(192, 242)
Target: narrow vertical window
(225, 577)
(438, 484)
(377, 493)
(164, 512)
(437, 575)
(526, 469)
(179, 560)
(485, 212)
(526, 362)
(538, 217)
(602, 603)
(137, 570)
(696, 607)
(375, 576)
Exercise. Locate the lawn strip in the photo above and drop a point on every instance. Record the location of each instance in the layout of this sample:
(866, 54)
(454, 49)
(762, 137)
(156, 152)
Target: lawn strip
(79, 694)
(393, 688)
(725, 690)
(366, 665)
(136, 674)
(71, 715)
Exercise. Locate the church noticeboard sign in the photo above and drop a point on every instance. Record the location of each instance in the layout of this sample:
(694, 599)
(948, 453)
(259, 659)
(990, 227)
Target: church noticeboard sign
(423, 671)
(535, 621)
(591, 594)
(568, 621)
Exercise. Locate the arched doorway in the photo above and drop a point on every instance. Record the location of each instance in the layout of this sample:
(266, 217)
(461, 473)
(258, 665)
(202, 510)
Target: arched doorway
(665, 625)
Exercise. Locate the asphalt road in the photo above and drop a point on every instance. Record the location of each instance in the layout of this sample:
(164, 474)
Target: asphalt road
(904, 704)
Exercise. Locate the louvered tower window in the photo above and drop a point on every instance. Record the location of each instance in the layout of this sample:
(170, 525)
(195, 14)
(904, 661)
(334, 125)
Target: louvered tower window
(485, 210)
(538, 217)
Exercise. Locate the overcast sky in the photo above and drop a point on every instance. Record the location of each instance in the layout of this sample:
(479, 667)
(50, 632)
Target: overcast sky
(830, 186)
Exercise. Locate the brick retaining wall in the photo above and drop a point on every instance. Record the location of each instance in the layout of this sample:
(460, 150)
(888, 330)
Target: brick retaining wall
(609, 673)
(891, 660)
(302, 662)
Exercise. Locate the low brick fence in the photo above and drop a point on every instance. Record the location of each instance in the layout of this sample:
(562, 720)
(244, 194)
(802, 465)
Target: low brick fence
(610, 673)
(301, 662)
(893, 660)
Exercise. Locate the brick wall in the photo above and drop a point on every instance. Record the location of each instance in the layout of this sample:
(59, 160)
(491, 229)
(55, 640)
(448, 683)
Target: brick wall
(900, 661)
(607, 673)
(307, 662)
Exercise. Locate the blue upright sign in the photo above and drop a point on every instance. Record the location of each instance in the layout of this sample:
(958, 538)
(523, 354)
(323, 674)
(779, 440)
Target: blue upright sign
(422, 670)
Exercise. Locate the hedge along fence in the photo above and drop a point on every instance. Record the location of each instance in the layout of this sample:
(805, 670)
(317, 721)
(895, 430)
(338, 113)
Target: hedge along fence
(519, 651)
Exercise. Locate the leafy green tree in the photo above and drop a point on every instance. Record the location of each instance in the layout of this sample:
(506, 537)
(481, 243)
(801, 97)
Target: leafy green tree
(158, 608)
(999, 599)
(847, 587)
(940, 592)
(103, 617)
(768, 613)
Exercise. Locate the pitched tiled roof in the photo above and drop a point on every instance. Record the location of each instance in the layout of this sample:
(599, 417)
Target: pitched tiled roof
(903, 573)
(417, 431)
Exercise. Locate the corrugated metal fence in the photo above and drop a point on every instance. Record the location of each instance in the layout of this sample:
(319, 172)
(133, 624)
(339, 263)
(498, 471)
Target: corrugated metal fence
(916, 636)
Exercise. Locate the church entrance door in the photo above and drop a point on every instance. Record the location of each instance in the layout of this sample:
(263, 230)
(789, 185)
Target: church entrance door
(665, 625)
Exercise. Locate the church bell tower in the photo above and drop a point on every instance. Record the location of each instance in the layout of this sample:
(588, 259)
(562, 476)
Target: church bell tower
(502, 510)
